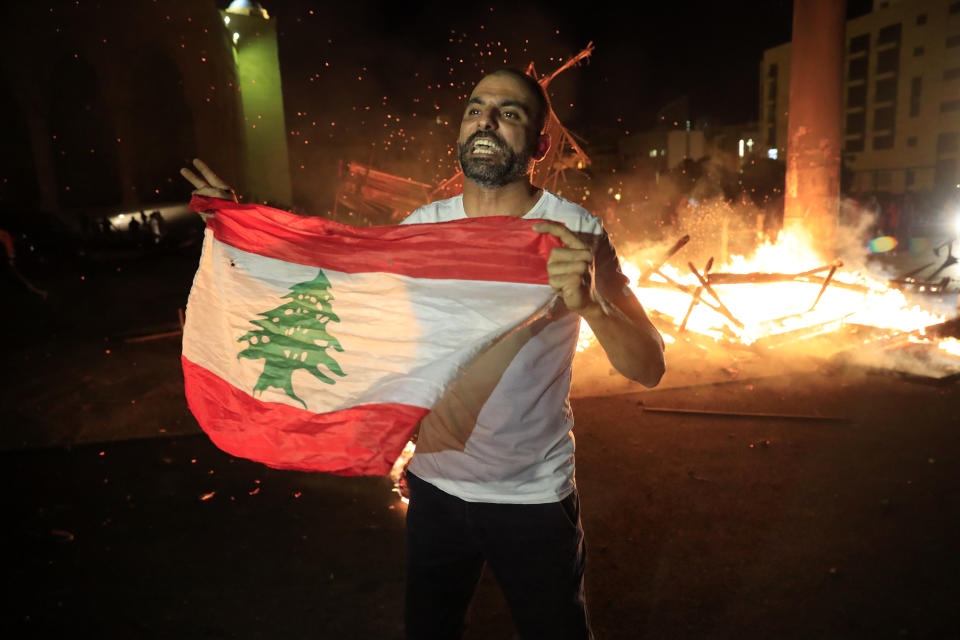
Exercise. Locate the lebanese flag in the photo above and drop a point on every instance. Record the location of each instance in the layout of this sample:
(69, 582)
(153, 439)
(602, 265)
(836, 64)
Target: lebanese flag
(318, 346)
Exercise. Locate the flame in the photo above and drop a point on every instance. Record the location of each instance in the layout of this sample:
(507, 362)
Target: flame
(399, 470)
(951, 346)
(768, 310)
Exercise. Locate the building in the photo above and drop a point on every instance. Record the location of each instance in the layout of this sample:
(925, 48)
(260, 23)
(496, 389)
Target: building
(774, 100)
(663, 149)
(106, 101)
(901, 97)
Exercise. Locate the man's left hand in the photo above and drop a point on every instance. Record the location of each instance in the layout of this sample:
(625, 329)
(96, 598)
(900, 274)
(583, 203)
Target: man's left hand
(570, 267)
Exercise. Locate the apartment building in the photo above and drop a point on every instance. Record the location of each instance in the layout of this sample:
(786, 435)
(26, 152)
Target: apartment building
(901, 97)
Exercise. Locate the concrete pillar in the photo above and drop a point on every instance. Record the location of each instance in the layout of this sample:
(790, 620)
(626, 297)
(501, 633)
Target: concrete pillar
(814, 131)
(267, 173)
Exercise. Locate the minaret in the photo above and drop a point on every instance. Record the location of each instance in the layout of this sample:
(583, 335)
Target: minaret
(267, 164)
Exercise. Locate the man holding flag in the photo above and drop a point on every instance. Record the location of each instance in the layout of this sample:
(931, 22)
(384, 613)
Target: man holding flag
(492, 479)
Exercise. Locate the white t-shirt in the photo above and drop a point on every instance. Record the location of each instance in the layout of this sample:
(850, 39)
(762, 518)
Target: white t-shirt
(503, 431)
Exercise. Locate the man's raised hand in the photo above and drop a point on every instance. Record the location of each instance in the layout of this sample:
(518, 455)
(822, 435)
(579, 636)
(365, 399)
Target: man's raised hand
(570, 267)
(209, 184)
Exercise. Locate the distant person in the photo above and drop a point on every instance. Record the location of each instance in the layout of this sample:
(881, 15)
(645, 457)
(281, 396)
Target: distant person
(157, 226)
(133, 228)
(891, 219)
(106, 226)
(908, 214)
(871, 206)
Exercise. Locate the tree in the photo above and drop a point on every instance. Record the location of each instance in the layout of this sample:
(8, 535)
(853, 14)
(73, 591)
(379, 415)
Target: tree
(294, 336)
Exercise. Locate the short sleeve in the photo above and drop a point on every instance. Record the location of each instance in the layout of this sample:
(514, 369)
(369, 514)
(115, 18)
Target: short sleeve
(608, 277)
(413, 218)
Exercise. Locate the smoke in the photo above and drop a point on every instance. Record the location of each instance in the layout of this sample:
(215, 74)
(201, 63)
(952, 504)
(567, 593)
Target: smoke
(723, 215)
(910, 359)
(855, 229)
(700, 199)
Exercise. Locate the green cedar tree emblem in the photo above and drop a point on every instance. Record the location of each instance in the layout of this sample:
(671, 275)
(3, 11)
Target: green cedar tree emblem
(294, 336)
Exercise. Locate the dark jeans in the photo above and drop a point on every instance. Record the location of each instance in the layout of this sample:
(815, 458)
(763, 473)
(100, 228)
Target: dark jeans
(536, 552)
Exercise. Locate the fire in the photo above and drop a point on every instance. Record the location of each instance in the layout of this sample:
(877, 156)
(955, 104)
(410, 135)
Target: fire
(758, 312)
(951, 346)
(398, 472)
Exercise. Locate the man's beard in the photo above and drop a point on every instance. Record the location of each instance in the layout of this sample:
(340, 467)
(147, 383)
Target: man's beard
(489, 171)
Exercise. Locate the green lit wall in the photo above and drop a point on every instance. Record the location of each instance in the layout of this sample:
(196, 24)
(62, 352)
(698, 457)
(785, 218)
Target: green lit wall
(266, 162)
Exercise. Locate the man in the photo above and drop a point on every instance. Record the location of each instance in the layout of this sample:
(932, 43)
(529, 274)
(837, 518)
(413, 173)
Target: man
(492, 480)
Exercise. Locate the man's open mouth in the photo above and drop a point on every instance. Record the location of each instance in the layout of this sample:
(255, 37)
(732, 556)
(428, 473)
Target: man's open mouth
(484, 147)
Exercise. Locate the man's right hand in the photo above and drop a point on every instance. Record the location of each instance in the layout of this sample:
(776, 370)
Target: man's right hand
(209, 184)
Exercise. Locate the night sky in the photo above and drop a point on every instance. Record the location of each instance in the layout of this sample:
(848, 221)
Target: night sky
(351, 69)
(383, 83)
(646, 54)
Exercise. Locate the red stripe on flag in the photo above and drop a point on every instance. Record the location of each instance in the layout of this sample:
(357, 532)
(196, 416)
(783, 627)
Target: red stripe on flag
(364, 440)
(499, 248)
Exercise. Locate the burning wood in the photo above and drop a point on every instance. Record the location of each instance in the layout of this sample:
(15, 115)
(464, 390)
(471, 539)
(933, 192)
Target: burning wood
(826, 283)
(706, 285)
(948, 329)
(696, 296)
(564, 152)
(911, 279)
(760, 278)
(801, 333)
(764, 306)
(672, 285)
(379, 194)
(923, 285)
(672, 251)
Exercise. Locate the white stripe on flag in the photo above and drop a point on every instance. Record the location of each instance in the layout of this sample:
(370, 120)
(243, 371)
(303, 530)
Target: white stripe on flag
(403, 338)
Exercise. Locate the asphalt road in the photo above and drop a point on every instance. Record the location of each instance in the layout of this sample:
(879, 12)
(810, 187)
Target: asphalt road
(698, 527)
